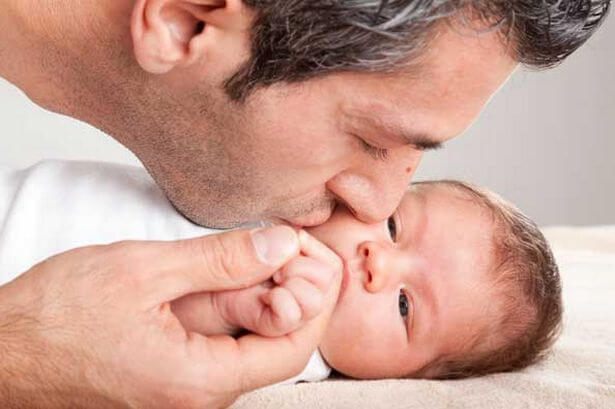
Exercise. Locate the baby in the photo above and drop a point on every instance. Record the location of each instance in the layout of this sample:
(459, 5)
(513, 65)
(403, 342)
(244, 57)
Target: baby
(455, 283)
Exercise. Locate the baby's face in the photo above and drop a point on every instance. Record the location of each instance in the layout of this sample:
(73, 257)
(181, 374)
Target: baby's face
(415, 287)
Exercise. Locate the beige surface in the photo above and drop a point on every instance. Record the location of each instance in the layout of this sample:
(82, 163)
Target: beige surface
(579, 374)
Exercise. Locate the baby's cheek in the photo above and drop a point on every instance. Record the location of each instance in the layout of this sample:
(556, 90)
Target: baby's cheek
(340, 346)
(346, 357)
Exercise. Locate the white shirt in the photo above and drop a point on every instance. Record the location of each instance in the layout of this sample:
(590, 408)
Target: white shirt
(55, 206)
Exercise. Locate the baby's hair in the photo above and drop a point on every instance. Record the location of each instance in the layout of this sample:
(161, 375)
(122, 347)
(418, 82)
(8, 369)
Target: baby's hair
(527, 281)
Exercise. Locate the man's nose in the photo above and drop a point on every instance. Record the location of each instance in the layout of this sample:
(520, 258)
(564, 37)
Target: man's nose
(378, 271)
(372, 191)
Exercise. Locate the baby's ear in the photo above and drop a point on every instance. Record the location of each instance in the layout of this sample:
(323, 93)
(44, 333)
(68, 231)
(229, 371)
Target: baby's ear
(170, 33)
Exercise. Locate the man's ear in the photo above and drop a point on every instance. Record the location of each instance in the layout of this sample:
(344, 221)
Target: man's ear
(170, 33)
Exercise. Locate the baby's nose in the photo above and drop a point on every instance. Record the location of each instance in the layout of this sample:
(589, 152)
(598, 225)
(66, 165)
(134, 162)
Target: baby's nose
(374, 259)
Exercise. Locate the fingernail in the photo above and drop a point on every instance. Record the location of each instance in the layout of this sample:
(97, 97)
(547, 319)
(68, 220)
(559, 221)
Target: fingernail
(275, 245)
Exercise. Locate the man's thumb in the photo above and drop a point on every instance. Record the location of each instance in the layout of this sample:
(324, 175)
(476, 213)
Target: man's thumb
(274, 246)
(225, 261)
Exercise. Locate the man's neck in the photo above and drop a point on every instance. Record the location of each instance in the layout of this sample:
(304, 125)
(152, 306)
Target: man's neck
(14, 45)
(45, 51)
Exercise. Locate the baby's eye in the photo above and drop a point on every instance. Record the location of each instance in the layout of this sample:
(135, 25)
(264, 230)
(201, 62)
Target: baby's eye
(392, 226)
(404, 305)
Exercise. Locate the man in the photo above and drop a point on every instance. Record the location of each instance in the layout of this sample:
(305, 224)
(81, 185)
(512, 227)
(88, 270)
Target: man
(241, 110)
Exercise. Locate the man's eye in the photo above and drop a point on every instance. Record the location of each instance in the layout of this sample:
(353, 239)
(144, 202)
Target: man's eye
(374, 152)
(392, 226)
(404, 305)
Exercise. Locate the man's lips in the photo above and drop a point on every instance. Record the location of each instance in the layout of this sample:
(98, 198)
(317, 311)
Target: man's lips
(313, 219)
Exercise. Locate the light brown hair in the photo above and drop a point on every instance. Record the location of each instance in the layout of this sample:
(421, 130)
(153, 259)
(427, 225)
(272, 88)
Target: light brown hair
(527, 285)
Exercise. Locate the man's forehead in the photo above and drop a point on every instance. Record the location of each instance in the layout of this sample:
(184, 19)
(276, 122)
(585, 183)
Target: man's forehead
(440, 97)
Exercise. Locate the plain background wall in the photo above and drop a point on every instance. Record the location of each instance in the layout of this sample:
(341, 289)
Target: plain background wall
(545, 142)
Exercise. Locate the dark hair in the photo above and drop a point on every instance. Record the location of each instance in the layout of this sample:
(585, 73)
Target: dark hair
(294, 40)
(527, 286)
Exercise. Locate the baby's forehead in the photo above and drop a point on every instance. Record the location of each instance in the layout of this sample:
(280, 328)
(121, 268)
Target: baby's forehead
(454, 207)
(453, 194)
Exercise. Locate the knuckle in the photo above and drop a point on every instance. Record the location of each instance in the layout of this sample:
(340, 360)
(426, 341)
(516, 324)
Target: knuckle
(121, 265)
(332, 271)
(313, 306)
(293, 318)
(336, 264)
(293, 266)
(123, 248)
(285, 314)
(301, 268)
(219, 256)
(285, 325)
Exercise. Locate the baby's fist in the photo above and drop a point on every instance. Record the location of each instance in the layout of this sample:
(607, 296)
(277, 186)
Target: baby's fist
(296, 295)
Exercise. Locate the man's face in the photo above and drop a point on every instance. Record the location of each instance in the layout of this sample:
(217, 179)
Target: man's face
(292, 151)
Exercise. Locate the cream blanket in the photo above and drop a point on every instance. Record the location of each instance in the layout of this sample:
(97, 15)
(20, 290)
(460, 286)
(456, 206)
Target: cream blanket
(579, 374)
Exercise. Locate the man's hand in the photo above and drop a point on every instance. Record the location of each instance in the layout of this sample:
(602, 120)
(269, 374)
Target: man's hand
(93, 326)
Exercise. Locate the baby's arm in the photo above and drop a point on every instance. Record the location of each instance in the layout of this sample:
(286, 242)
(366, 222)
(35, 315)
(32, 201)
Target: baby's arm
(273, 308)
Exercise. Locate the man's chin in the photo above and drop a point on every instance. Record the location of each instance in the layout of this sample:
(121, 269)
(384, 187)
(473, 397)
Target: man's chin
(208, 220)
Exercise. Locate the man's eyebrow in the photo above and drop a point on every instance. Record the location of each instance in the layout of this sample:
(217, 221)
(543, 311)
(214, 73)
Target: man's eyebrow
(420, 140)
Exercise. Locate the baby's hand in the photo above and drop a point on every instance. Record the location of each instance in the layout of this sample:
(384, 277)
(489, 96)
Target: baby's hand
(294, 296)
(273, 308)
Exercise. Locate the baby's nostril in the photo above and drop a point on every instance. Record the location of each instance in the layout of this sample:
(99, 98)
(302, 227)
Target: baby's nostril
(369, 277)
(366, 252)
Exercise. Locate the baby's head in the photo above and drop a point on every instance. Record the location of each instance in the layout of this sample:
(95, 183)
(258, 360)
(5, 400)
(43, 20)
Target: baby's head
(456, 283)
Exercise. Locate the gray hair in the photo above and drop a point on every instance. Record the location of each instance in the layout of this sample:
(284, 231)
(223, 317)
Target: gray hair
(294, 40)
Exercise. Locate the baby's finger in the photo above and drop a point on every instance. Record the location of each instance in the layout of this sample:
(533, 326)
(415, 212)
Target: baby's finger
(311, 247)
(312, 270)
(283, 314)
(309, 297)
